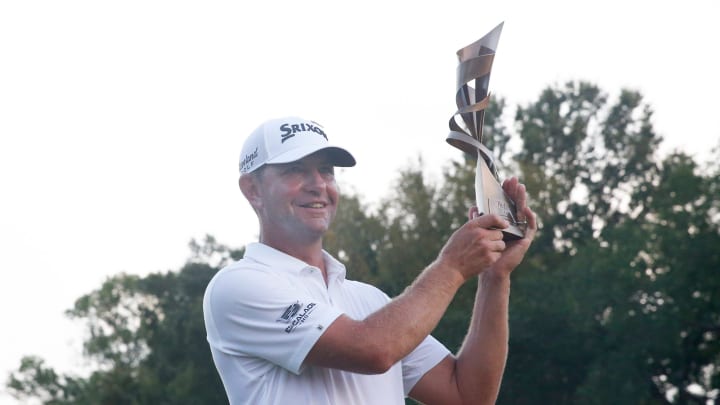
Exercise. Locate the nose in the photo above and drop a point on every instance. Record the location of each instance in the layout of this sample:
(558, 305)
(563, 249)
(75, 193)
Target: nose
(315, 181)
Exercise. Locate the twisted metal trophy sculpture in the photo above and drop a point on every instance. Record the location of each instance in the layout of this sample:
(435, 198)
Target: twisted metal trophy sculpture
(466, 133)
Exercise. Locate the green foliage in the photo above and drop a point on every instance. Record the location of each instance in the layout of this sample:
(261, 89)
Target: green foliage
(34, 380)
(145, 335)
(617, 301)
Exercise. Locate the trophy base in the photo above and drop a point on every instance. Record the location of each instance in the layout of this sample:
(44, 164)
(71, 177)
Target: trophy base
(491, 199)
(512, 232)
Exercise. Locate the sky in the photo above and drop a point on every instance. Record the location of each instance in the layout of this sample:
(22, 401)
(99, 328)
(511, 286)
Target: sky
(121, 123)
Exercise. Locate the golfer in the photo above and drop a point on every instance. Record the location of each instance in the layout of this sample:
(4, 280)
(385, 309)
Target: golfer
(286, 325)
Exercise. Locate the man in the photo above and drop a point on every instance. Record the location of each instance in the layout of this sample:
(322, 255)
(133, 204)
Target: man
(285, 326)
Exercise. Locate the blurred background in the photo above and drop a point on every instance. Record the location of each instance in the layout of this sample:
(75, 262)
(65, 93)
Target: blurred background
(120, 131)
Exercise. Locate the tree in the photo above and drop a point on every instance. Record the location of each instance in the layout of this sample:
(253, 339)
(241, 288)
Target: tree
(146, 338)
(617, 301)
(611, 266)
(607, 301)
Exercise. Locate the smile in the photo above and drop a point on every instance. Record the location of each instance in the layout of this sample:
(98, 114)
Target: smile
(314, 205)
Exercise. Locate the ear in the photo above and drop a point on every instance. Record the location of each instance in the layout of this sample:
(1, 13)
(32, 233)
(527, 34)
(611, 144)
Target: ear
(250, 189)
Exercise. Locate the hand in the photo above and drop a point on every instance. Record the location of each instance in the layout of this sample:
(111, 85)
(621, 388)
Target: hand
(515, 250)
(475, 246)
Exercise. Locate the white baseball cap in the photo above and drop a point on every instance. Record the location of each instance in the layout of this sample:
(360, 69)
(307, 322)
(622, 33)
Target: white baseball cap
(288, 139)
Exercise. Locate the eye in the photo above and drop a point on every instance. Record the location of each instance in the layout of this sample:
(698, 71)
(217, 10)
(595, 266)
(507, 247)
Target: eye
(294, 169)
(327, 170)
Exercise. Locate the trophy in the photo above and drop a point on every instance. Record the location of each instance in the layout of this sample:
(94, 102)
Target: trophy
(466, 128)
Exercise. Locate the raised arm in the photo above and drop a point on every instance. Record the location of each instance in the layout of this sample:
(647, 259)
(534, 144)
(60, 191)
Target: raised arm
(374, 344)
(475, 374)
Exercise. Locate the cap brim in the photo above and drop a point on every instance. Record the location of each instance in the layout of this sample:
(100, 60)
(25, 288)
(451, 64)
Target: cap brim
(338, 156)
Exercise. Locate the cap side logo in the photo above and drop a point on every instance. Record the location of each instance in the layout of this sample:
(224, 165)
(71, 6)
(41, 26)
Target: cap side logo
(289, 130)
(248, 161)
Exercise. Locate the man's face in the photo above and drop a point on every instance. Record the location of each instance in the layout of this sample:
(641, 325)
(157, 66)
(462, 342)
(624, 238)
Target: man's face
(298, 199)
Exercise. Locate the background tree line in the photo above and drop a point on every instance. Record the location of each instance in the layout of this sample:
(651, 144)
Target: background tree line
(617, 301)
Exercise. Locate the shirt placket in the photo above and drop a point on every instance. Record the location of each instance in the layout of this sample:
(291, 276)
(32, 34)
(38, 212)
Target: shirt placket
(315, 282)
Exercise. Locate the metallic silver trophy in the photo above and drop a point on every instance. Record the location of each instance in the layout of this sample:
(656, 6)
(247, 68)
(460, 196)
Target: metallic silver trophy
(466, 127)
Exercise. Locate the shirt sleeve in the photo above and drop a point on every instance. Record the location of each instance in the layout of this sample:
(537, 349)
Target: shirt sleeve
(421, 360)
(259, 314)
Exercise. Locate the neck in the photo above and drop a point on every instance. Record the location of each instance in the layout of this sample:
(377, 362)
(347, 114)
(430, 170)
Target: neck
(309, 251)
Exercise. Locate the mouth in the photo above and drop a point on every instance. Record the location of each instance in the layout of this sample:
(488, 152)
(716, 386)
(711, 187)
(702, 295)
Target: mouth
(314, 205)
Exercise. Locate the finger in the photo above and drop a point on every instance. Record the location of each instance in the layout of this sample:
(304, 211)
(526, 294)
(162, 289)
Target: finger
(521, 202)
(499, 245)
(509, 184)
(473, 212)
(494, 236)
(531, 223)
(491, 221)
(490, 244)
(532, 218)
(513, 188)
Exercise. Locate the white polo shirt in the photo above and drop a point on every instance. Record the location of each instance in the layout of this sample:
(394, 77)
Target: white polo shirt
(265, 312)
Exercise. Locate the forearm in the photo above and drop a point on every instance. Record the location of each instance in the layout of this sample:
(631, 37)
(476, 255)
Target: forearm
(411, 316)
(374, 344)
(386, 336)
(481, 361)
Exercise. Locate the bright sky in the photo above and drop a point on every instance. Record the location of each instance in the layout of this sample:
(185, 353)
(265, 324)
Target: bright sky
(121, 122)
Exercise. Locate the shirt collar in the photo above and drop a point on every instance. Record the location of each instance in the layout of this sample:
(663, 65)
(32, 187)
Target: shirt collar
(281, 261)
